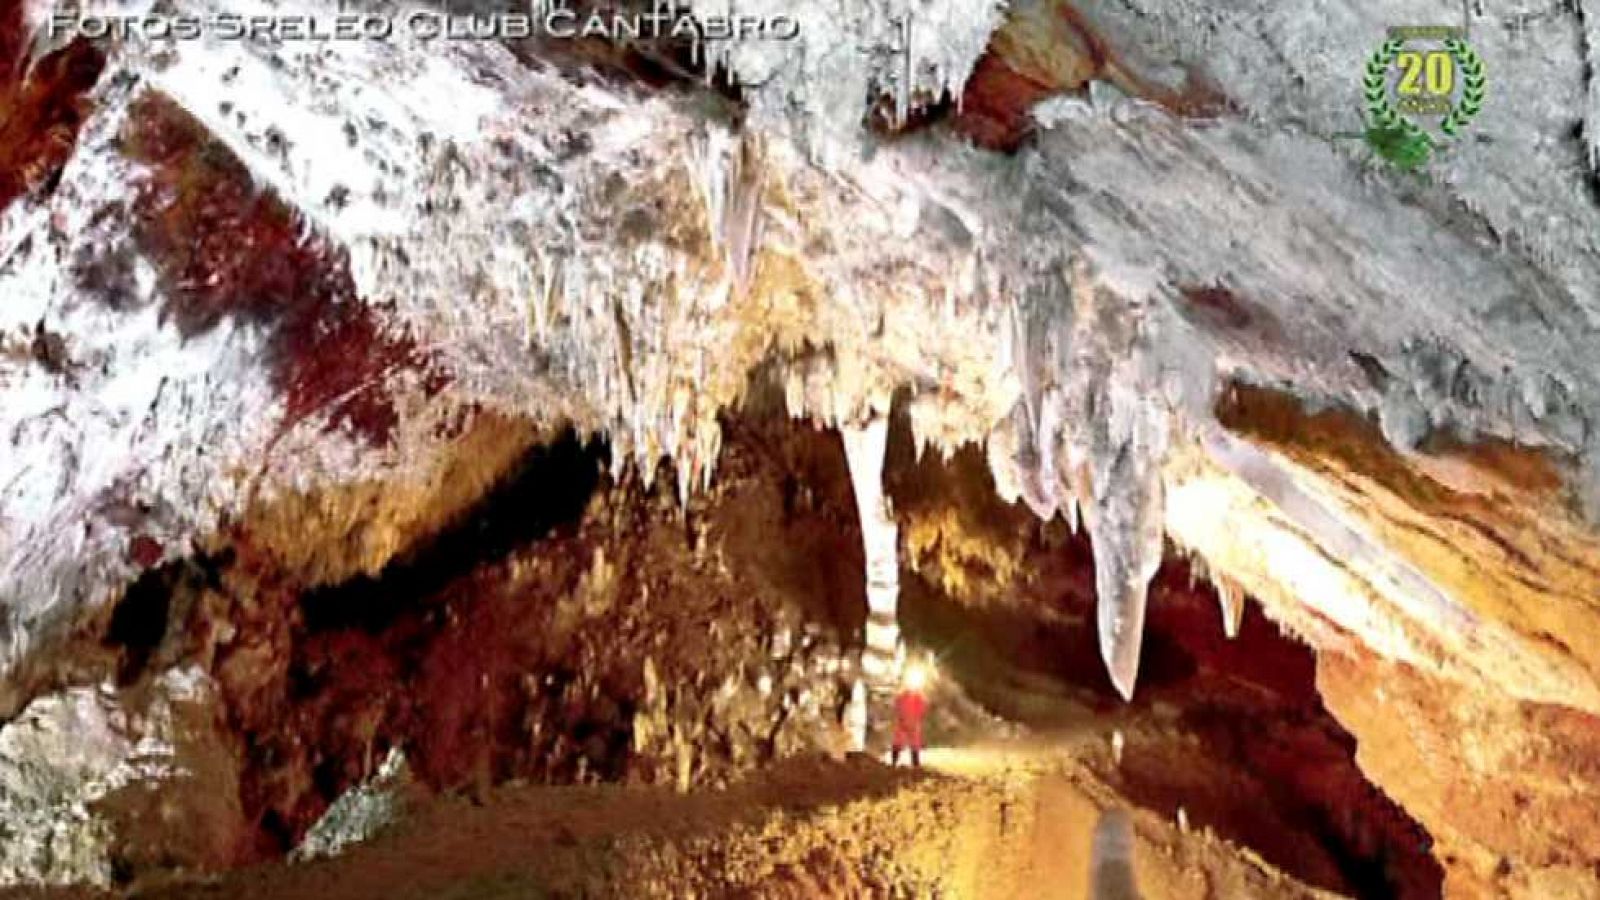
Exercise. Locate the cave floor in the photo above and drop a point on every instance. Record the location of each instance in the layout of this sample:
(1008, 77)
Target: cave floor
(1010, 819)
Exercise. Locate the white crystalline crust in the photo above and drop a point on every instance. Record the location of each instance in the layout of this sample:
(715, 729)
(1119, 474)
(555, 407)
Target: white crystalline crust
(360, 814)
(66, 753)
(578, 252)
(144, 417)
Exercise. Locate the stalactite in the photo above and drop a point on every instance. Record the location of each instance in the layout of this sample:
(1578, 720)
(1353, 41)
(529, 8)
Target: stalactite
(1230, 598)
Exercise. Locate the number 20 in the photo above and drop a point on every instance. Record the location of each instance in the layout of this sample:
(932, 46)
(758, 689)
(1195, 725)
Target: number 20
(1438, 67)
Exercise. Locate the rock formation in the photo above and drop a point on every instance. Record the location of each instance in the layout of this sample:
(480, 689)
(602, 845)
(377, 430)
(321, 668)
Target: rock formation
(482, 398)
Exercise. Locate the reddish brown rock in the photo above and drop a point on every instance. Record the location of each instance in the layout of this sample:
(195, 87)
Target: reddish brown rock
(1510, 791)
(145, 551)
(1047, 48)
(228, 247)
(567, 629)
(42, 107)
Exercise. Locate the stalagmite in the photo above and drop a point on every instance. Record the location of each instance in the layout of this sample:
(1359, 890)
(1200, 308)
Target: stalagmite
(855, 717)
(864, 450)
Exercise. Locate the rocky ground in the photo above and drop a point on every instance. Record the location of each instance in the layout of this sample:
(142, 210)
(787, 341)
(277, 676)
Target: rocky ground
(1000, 821)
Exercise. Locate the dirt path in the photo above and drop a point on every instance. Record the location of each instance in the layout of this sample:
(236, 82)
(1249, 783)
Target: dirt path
(1067, 801)
(1064, 820)
(1008, 821)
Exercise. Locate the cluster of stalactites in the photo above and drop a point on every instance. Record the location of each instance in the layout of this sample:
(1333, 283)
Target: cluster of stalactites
(908, 52)
(1230, 594)
(1087, 439)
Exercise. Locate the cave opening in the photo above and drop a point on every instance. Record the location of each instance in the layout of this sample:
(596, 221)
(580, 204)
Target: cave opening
(1228, 734)
(139, 619)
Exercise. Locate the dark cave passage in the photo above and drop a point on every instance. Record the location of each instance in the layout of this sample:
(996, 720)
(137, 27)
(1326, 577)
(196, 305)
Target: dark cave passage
(568, 628)
(546, 492)
(139, 619)
(1233, 732)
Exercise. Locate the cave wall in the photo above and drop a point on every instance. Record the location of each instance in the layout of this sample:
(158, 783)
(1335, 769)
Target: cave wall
(564, 627)
(267, 362)
(1508, 789)
(1357, 774)
(635, 639)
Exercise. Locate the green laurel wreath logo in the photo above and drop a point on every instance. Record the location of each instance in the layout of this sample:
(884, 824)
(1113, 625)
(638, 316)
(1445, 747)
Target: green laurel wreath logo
(1376, 86)
(1472, 86)
(1383, 114)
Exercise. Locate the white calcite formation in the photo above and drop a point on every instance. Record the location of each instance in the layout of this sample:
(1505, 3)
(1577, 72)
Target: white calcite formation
(575, 251)
(79, 771)
(864, 448)
(360, 813)
(813, 87)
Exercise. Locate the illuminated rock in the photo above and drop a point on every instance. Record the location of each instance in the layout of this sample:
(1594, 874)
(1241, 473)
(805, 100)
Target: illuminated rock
(292, 294)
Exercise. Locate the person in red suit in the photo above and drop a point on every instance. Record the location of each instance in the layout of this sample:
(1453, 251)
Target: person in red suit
(910, 705)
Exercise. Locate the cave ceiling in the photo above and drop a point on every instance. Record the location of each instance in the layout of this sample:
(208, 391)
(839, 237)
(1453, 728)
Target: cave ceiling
(1130, 253)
